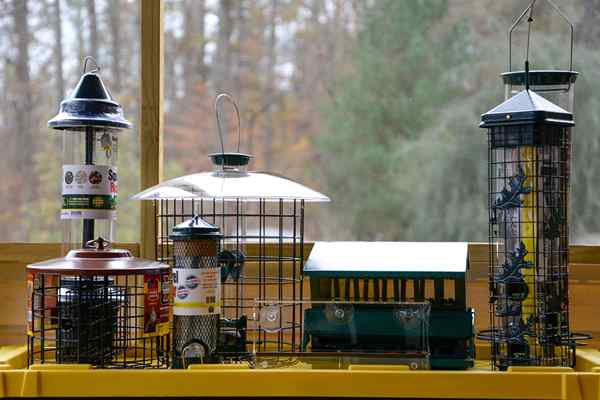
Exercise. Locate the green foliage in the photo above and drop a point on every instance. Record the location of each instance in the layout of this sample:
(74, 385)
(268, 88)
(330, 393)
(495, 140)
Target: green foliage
(585, 205)
(402, 152)
(405, 73)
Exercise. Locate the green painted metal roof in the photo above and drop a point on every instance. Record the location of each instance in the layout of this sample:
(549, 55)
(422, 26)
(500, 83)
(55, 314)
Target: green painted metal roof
(388, 259)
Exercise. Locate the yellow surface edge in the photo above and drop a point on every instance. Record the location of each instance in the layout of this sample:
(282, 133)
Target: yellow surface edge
(540, 369)
(13, 357)
(305, 383)
(363, 367)
(361, 381)
(220, 367)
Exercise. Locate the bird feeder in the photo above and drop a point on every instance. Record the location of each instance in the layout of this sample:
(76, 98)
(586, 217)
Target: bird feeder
(529, 166)
(197, 282)
(381, 276)
(99, 306)
(261, 218)
(90, 121)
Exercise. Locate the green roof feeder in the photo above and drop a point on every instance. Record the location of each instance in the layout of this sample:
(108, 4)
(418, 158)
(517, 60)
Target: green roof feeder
(375, 274)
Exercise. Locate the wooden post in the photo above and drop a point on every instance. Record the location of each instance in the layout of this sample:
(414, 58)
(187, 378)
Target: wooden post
(151, 113)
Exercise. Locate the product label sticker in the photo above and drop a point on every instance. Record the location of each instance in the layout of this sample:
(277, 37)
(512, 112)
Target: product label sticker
(152, 283)
(166, 300)
(157, 298)
(89, 191)
(197, 291)
(30, 278)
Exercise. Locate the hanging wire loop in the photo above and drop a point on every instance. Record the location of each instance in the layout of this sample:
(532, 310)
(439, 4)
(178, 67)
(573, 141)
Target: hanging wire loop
(529, 11)
(96, 67)
(218, 100)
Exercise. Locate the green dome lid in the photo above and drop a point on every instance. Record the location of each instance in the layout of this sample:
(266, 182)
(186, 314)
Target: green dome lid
(195, 228)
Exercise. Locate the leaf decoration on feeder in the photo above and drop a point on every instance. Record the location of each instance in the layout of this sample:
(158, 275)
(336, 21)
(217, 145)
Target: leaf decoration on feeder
(511, 198)
(517, 331)
(516, 339)
(514, 263)
(509, 308)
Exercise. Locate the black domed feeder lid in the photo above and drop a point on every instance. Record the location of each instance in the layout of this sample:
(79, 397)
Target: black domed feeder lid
(90, 104)
(526, 107)
(195, 228)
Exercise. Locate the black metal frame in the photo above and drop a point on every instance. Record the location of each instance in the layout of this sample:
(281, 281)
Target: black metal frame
(97, 320)
(270, 235)
(528, 186)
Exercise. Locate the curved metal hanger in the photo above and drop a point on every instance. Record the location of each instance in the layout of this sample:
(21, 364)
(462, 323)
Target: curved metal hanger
(218, 99)
(529, 10)
(85, 63)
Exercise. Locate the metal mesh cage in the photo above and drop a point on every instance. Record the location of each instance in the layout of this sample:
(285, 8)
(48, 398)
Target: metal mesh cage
(108, 321)
(264, 240)
(195, 254)
(529, 167)
(88, 313)
(201, 328)
(204, 328)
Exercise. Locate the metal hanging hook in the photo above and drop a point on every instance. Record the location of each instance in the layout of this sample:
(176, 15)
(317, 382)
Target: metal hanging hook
(218, 100)
(85, 63)
(529, 23)
(529, 10)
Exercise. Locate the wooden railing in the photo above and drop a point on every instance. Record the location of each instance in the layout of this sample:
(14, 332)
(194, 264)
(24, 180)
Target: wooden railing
(584, 285)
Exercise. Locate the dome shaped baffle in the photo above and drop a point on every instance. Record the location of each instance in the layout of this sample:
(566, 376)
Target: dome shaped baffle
(234, 185)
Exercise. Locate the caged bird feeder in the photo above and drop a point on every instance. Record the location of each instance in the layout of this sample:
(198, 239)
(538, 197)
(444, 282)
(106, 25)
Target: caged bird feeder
(90, 121)
(529, 167)
(99, 306)
(197, 284)
(261, 219)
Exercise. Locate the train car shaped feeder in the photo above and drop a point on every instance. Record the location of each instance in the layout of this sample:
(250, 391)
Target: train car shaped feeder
(375, 274)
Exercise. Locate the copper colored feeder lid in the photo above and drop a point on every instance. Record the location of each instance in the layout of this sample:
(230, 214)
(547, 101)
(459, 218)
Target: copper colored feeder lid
(98, 259)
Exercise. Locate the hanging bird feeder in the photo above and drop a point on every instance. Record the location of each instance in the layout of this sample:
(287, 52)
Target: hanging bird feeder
(197, 281)
(261, 218)
(528, 150)
(90, 121)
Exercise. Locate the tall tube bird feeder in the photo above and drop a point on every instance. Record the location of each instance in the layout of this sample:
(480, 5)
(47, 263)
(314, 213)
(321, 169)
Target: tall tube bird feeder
(90, 121)
(529, 158)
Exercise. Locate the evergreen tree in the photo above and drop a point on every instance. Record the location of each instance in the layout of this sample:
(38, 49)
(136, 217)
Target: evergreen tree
(404, 75)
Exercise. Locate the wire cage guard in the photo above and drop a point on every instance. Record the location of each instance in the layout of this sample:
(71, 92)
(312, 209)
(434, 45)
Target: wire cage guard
(109, 317)
(529, 147)
(262, 257)
(260, 217)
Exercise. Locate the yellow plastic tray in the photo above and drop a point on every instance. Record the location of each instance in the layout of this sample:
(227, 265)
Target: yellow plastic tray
(358, 381)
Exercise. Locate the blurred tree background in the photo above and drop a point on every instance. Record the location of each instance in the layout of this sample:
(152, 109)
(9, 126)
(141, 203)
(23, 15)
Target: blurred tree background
(375, 103)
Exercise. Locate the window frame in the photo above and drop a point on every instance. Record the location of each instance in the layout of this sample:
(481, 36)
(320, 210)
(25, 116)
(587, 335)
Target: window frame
(584, 260)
